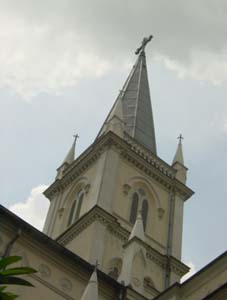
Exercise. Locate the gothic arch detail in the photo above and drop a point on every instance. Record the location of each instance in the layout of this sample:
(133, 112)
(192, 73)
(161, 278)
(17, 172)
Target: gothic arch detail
(139, 203)
(134, 207)
(81, 183)
(72, 203)
(140, 179)
(138, 268)
(76, 207)
(145, 209)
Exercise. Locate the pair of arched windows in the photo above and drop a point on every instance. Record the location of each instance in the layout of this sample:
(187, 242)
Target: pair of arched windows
(76, 208)
(139, 202)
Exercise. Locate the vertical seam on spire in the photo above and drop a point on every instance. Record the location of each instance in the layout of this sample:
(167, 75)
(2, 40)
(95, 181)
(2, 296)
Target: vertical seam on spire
(137, 96)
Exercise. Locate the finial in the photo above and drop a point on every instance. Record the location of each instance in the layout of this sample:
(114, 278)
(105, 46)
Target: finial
(76, 136)
(180, 138)
(143, 45)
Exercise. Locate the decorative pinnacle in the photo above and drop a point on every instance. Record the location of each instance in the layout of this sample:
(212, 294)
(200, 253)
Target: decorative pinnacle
(75, 137)
(143, 45)
(180, 138)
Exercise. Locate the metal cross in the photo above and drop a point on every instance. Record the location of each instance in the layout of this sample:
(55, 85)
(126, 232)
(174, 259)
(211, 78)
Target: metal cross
(144, 43)
(180, 138)
(76, 137)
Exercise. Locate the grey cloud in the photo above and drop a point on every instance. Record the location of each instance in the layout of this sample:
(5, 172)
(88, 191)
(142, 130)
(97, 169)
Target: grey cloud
(190, 36)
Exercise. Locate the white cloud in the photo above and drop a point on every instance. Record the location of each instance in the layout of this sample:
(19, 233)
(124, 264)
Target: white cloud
(49, 45)
(190, 273)
(204, 66)
(34, 209)
(34, 60)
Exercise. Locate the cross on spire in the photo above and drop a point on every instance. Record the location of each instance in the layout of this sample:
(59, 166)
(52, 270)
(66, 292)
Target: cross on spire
(143, 45)
(180, 138)
(76, 136)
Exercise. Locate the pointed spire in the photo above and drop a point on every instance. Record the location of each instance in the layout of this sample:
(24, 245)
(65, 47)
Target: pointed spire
(91, 291)
(138, 229)
(178, 162)
(133, 104)
(130, 250)
(68, 159)
(179, 153)
(71, 154)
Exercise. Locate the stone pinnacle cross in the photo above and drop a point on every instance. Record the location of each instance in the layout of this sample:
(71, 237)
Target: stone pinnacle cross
(144, 43)
(97, 264)
(180, 138)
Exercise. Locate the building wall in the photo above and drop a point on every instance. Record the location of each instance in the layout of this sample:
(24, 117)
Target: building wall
(57, 277)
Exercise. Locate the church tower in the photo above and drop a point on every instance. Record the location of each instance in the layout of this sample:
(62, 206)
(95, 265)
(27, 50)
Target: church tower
(118, 203)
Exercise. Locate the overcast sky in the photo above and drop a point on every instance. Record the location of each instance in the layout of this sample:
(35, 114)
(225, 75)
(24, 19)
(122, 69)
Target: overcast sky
(62, 64)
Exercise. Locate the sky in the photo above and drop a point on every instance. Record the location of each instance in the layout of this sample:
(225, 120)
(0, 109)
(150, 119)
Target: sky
(62, 66)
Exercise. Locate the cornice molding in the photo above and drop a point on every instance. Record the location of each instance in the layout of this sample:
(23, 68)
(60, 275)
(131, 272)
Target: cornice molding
(95, 214)
(130, 151)
(113, 226)
(50, 286)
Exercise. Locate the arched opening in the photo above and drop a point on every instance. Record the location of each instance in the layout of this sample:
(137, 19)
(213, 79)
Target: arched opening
(71, 213)
(76, 208)
(139, 202)
(134, 208)
(144, 212)
(80, 198)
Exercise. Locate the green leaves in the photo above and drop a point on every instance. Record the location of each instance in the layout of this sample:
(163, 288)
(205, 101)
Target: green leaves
(8, 276)
(6, 261)
(14, 280)
(18, 271)
(6, 295)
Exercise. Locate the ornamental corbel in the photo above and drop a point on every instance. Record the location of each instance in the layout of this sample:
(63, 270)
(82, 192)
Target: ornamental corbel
(126, 188)
(61, 211)
(87, 188)
(161, 212)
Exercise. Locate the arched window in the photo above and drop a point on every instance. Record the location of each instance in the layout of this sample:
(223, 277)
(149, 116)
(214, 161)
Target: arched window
(139, 202)
(134, 208)
(80, 198)
(144, 212)
(76, 208)
(71, 213)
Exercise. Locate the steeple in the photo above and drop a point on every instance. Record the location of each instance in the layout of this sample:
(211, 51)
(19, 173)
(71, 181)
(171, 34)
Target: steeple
(95, 200)
(91, 291)
(68, 159)
(133, 104)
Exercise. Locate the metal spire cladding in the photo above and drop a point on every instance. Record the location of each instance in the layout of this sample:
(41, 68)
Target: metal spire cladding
(133, 105)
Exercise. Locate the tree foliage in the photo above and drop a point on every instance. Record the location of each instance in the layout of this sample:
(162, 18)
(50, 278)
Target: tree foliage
(9, 275)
